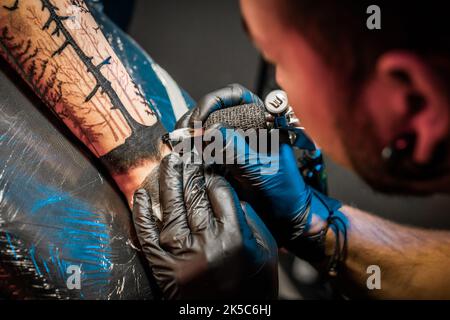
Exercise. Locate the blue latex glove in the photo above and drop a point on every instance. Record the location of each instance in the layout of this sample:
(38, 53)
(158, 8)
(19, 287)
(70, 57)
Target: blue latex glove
(281, 198)
(272, 183)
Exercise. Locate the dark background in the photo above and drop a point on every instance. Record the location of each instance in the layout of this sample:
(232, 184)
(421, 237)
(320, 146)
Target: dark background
(201, 43)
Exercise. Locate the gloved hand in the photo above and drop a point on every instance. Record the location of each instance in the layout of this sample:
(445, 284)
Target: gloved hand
(209, 245)
(282, 198)
(230, 96)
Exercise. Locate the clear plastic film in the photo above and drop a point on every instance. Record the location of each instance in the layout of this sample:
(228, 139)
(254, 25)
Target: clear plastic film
(65, 230)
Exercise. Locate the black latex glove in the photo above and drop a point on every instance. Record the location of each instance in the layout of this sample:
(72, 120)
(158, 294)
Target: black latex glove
(209, 245)
(229, 96)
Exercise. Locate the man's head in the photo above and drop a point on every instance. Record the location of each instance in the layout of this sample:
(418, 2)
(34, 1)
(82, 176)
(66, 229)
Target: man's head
(359, 91)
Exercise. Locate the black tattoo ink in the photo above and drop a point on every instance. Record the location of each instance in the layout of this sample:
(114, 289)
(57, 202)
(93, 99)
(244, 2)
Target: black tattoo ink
(43, 69)
(14, 7)
(49, 90)
(16, 59)
(80, 4)
(144, 141)
(102, 83)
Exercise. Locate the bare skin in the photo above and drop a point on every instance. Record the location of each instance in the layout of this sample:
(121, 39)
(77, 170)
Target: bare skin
(414, 263)
(71, 66)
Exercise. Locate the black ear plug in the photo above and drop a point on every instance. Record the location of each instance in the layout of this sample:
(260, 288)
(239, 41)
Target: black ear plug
(398, 155)
(399, 148)
(398, 158)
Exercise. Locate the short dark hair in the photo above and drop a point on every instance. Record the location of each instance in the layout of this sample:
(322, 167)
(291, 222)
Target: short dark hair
(338, 31)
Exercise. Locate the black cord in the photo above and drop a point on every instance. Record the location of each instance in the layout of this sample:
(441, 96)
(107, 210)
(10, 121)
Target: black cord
(340, 252)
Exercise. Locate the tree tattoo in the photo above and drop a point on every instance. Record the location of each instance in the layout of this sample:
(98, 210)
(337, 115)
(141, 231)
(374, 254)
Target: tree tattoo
(78, 75)
(15, 6)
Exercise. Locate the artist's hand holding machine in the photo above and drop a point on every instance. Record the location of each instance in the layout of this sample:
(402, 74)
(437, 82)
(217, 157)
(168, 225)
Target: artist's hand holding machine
(193, 254)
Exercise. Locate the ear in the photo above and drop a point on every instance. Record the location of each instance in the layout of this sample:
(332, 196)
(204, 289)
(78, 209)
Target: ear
(422, 99)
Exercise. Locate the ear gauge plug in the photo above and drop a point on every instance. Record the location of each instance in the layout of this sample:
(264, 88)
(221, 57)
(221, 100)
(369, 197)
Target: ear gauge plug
(398, 158)
(399, 152)
(401, 146)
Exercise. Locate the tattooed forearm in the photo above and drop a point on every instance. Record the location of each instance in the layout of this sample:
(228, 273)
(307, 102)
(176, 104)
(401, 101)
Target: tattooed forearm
(101, 82)
(58, 49)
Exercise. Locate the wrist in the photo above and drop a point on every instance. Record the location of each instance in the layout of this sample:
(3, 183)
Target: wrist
(323, 242)
(131, 180)
(316, 224)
